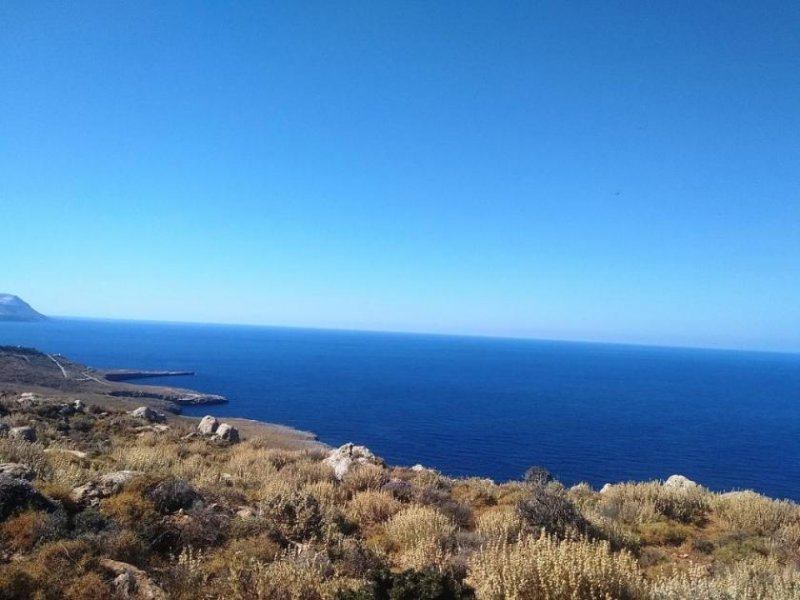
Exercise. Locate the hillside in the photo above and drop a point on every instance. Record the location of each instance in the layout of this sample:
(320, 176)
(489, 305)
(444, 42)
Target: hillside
(13, 308)
(101, 501)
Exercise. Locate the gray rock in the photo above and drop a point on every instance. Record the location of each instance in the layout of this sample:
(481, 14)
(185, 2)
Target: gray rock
(91, 493)
(18, 494)
(148, 414)
(16, 471)
(227, 433)
(23, 433)
(343, 458)
(78, 405)
(208, 425)
(131, 582)
(679, 482)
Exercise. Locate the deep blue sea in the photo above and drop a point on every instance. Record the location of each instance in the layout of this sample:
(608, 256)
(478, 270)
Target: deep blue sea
(477, 406)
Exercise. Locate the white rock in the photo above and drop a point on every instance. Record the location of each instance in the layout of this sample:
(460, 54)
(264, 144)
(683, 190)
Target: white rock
(679, 482)
(343, 458)
(227, 433)
(208, 425)
(605, 488)
(148, 414)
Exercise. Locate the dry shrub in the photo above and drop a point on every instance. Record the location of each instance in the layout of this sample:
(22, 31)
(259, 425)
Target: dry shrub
(295, 576)
(423, 536)
(88, 587)
(500, 523)
(22, 532)
(371, 507)
(635, 503)
(757, 579)
(296, 517)
(545, 568)
(304, 472)
(475, 492)
(363, 477)
(328, 494)
(130, 510)
(755, 513)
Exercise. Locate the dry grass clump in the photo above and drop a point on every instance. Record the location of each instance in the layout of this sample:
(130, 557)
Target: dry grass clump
(756, 579)
(296, 575)
(500, 523)
(636, 503)
(365, 477)
(545, 568)
(29, 454)
(755, 513)
(422, 535)
(371, 507)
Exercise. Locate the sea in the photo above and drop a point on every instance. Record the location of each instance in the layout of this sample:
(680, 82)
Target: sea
(482, 407)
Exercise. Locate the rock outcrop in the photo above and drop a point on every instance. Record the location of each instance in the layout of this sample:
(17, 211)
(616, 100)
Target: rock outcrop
(211, 427)
(148, 414)
(679, 482)
(343, 458)
(16, 471)
(23, 433)
(91, 493)
(208, 425)
(227, 433)
(131, 582)
(18, 494)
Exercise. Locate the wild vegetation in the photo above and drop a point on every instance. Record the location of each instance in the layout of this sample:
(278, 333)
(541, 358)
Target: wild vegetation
(104, 505)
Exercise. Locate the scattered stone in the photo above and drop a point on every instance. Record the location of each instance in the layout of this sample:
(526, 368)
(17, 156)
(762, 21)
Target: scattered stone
(16, 471)
(342, 459)
(227, 433)
(131, 582)
(161, 428)
(27, 399)
(26, 433)
(148, 414)
(91, 493)
(208, 425)
(418, 468)
(679, 482)
(246, 513)
(18, 494)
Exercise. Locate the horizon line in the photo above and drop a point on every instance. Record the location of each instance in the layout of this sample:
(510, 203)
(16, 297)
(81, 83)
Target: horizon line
(430, 333)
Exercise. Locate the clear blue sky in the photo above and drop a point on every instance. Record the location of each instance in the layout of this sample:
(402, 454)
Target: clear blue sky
(622, 171)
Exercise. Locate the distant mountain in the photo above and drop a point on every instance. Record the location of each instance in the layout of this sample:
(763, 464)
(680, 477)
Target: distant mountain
(13, 308)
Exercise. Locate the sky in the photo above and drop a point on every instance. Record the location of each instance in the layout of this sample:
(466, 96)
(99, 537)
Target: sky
(604, 171)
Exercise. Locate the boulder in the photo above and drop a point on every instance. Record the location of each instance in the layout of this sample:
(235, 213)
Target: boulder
(679, 482)
(78, 405)
(606, 488)
(18, 494)
(16, 471)
(23, 433)
(131, 582)
(343, 458)
(227, 433)
(208, 425)
(91, 493)
(148, 414)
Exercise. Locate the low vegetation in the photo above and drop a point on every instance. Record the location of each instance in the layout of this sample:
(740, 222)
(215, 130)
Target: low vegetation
(102, 505)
